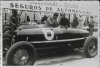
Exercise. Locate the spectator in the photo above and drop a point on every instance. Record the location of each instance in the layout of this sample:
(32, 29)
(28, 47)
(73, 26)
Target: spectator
(28, 19)
(80, 22)
(52, 21)
(91, 25)
(86, 21)
(64, 21)
(75, 21)
(44, 19)
(14, 19)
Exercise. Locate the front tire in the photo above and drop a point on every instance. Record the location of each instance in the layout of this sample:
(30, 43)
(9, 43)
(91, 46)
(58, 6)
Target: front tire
(90, 47)
(21, 53)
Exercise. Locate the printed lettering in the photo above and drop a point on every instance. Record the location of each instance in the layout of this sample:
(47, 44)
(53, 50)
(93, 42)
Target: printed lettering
(11, 5)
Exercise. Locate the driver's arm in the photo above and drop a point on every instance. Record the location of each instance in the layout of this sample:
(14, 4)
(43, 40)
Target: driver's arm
(49, 20)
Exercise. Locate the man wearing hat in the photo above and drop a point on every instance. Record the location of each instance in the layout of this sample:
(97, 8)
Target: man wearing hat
(91, 25)
(52, 21)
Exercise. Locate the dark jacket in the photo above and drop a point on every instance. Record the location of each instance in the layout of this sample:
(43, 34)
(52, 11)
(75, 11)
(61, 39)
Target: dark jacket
(75, 22)
(14, 20)
(64, 22)
(44, 19)
(91, 23)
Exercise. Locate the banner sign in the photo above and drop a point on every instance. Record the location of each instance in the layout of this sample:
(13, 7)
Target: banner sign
(45, 6)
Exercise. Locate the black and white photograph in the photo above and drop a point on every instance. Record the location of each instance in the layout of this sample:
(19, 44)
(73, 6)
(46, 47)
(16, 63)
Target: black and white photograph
(50, 33)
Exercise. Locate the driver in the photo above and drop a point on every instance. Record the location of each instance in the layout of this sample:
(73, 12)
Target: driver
(64, 21)
(52, 21)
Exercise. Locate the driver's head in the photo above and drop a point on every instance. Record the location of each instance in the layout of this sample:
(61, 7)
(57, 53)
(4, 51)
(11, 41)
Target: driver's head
(55, 15)
(91, 17)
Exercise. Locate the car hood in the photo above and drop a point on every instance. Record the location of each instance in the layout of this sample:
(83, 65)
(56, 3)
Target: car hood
(40, 29)
(40, 32)
(32, 29)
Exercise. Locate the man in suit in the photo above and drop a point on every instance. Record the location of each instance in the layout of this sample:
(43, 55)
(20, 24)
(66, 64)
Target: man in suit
(75, 21)
(91, 25)
(64, 21)
(44, 18)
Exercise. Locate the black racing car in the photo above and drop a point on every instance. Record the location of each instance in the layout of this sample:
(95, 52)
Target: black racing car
(28, 39)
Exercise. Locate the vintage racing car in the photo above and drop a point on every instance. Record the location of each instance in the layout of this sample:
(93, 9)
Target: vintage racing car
(28, 39)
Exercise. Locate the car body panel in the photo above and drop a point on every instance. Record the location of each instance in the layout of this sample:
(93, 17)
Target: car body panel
(43, 33)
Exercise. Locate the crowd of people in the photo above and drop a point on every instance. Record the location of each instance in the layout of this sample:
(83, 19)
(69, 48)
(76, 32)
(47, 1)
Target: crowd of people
(61, 20)
(57, 20)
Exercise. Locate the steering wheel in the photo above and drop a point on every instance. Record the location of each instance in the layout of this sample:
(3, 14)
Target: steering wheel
(66, 26)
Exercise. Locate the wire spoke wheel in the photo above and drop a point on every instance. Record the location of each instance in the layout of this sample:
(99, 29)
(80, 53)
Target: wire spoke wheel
(20, 54)
(92, 49)
(21, 57)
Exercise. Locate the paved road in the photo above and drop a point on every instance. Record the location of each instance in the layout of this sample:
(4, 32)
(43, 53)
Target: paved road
(73, 59)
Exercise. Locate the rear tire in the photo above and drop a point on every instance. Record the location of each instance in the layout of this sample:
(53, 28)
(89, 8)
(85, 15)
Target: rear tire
(21, 53)
(90, 47)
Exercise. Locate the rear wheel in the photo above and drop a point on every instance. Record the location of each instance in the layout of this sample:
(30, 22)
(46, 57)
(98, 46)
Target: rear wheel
(22, 53)
(90, 47)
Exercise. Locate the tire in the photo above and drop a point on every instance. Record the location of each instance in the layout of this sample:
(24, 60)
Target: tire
(90, 44)
(12, 57)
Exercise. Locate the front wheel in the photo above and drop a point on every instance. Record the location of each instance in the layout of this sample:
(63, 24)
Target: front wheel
(21, 53)
(90, 47)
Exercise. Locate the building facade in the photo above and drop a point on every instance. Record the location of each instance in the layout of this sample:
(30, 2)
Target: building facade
(39, 9)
